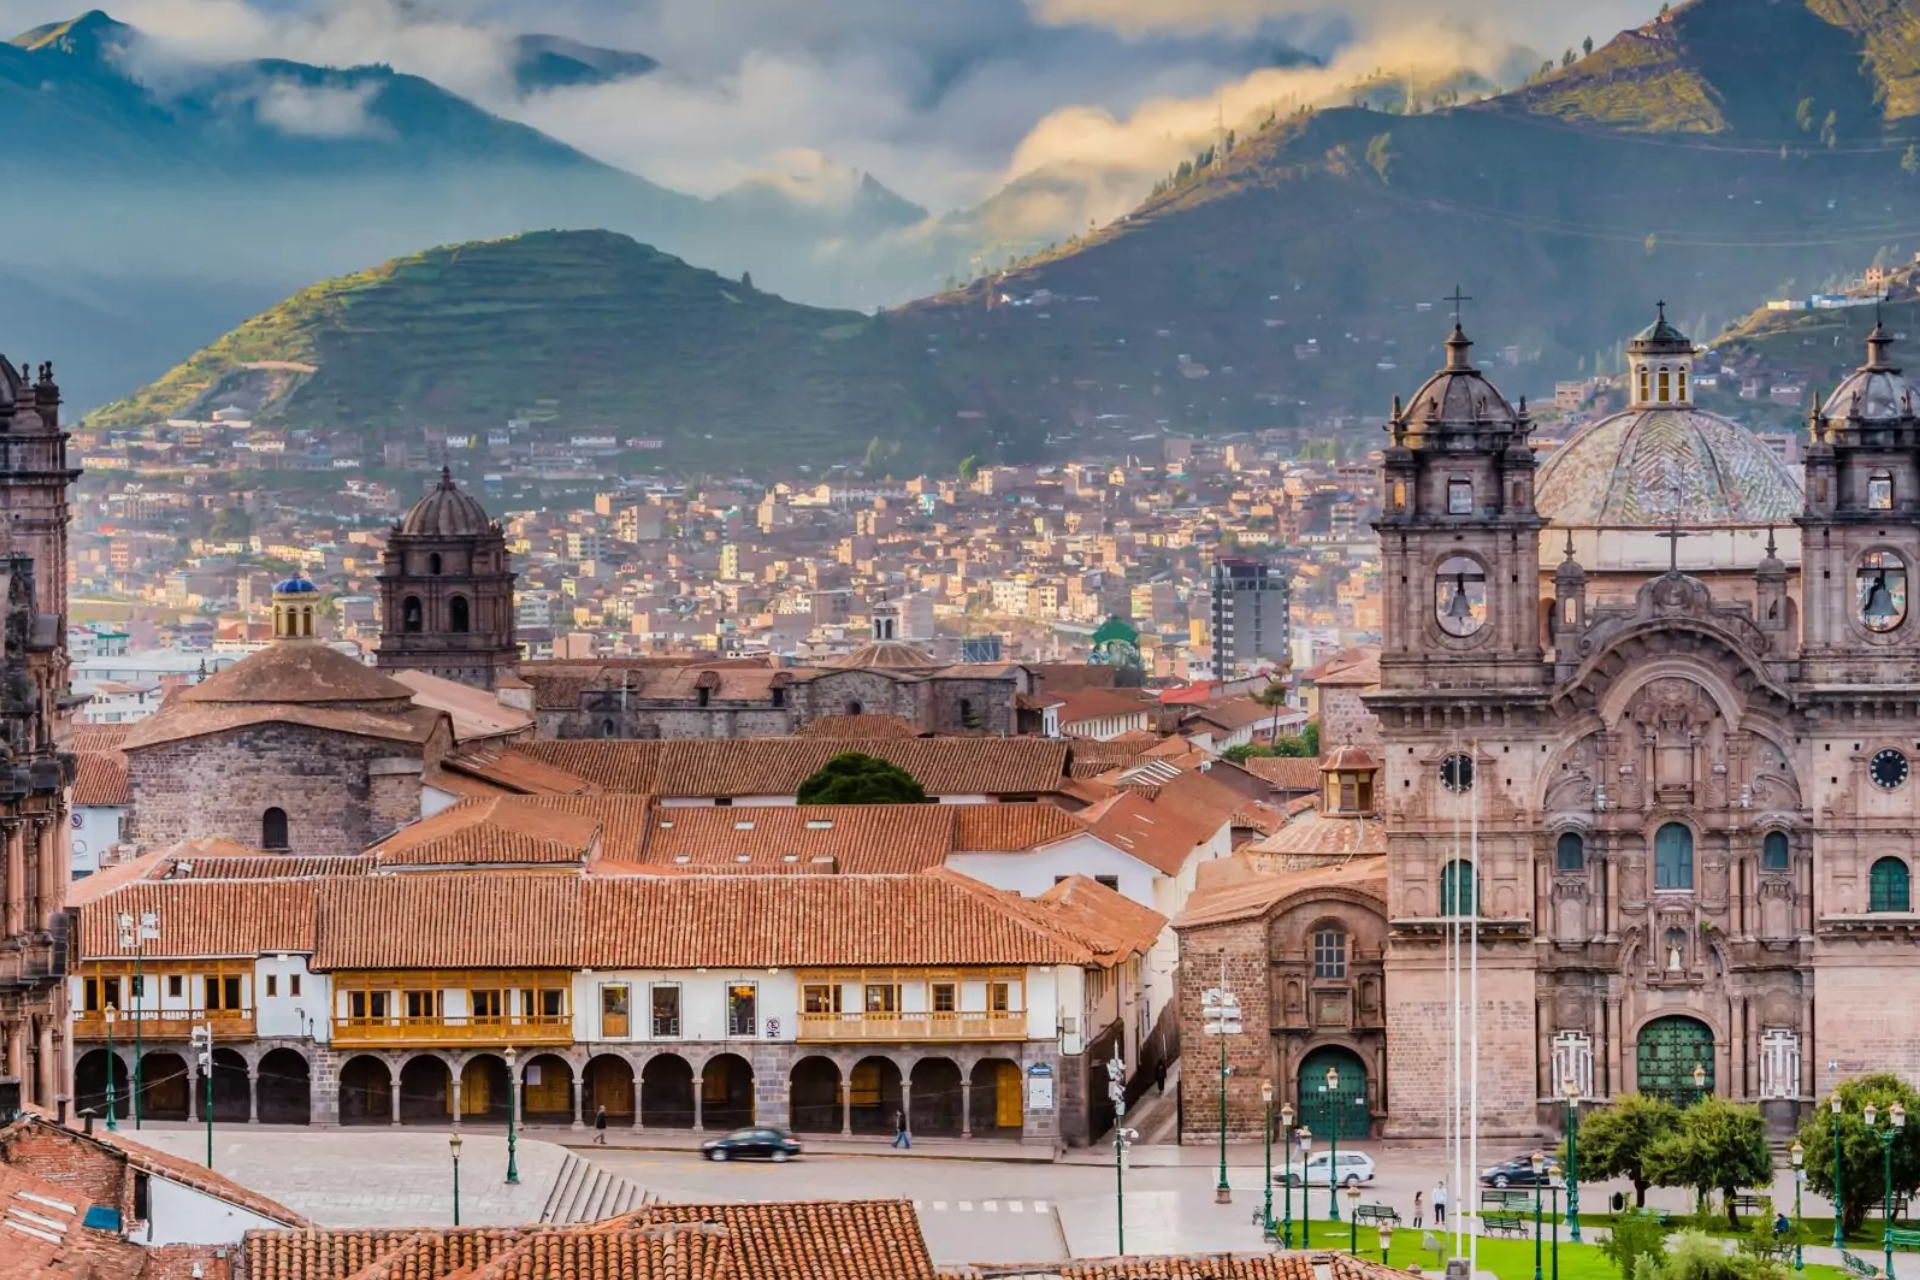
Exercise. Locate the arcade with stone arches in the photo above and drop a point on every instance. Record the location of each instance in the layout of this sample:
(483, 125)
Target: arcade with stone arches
(256, 1082)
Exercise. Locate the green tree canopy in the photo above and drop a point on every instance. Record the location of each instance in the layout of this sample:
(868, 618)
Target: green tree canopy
(855, 778)
(1862, 1164)
(1717, 1145)
(969, 467)
(1614, 1141)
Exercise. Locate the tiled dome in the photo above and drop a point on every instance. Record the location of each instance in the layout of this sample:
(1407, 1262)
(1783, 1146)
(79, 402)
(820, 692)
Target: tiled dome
(297, 585)
(446, 512)
(1623, 471)
(1876, 392)
(1458, 393)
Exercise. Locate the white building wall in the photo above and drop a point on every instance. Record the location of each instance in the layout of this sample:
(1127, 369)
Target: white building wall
(96, 829)
(1031, 872)
(178, 1214)
(703, 1002)
(283, 1013)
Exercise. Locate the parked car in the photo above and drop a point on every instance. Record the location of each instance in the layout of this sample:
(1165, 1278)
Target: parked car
(752, 1144)
(1355, 1167)
(1517, 1172)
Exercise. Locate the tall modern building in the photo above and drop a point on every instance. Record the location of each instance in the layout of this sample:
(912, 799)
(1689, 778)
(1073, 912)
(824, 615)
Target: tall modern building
(1248, 615)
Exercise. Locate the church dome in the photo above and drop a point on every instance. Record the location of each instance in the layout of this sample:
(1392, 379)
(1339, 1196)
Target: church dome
(9, 383)
(297, 585)
(1458, 393)
(1627, 471)
(446, 512)
(886, 655)
(1876, 391)
(1660, 338)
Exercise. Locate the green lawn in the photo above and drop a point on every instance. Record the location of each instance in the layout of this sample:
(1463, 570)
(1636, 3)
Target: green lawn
(1507, 1259)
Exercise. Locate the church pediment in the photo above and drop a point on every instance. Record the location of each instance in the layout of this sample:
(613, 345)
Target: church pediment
(1674, 617)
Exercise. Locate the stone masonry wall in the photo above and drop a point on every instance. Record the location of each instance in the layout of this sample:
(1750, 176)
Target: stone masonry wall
(1856, 1027)
(1419, 1053)
(1249, 1054)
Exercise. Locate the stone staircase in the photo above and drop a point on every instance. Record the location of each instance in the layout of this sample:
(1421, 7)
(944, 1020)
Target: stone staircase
(584, 1192)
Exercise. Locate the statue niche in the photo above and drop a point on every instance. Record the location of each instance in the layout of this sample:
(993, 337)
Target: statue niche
(1680, 737)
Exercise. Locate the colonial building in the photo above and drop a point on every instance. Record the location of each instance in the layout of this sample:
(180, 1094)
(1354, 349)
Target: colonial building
(1646, 729)
(446, 592)
(35, 768)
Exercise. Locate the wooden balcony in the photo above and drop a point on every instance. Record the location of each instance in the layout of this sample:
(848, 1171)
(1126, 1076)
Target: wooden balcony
(164, 1024)
(533, 1029)
(980, 1025)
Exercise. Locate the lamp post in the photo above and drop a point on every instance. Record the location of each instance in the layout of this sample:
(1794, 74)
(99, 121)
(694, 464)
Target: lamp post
(1220, 1009)
(1122, 1139)
(1353, 1219)
(1332, 1089)
(1386, 1240)
(202, 1041)
(453, 1144)
(513, 1111)
(1699, 1080)
(112, 1015)
(1896, 1121)
(1305, 1138)
(1539, 1162)
(1266, 1133)
(1571, 1089)
(1799, 1155)
(135, 937)
(1286, 1153)
(1833, 1105)
(1553, 1185)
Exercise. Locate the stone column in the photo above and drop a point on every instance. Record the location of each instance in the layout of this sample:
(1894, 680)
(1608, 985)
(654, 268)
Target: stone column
(196, 1090)
(638, 1119)
(1613, 895)
(456, 1099)
(699, 1121)
(966, 1107)
(579, 1097)
(16, 1063)
(393, 1095)
(846, 1106)
(253, 1095)
(16, 895)
(906, 1104)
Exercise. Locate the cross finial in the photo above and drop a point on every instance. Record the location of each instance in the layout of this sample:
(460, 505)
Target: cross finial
(1672, 532)
(1456, 298)
(1770, 546)
(1662, 305)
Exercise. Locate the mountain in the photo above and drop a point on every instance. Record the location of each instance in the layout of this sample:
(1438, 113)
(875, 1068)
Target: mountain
(588, 330)
(1814, 348)
(555, 62)
(1300, 275)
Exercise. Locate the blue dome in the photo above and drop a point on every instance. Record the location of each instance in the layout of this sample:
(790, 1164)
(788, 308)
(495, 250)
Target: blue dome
(295, 586)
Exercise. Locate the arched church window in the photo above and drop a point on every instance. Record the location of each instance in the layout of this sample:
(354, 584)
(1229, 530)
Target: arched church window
(1673, 856)
(1774, 852)
(1570, 852)
(433, 564)
(1457, 889)
(1683, 385)
(273, 830)
(459, 615)
(1888, 886)
(1459, 496)
(411, 616)
(1330, 953)
(1880, 491)
(854, 708)
(606, 729)
(1881, 591)
(1460, 595)
(1666, 385)
(1646, 384)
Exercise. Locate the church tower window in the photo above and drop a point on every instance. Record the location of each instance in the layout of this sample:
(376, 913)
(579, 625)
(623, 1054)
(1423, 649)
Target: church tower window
(273, 830)
(1880, 491)
(1570, 852)
(1457, 889)
(1882, 591)
(459, 615)
(1774, 853)
(412, 619)
(433, 564)
(1666, 385)
(1682, 375)
(1646, 384)
(1889, 887)
(1459, 496)
(1673, 857)
(1460, 596)
(1330, 953)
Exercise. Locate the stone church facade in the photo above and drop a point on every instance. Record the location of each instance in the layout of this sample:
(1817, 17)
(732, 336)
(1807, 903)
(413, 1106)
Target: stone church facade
(1648, 713)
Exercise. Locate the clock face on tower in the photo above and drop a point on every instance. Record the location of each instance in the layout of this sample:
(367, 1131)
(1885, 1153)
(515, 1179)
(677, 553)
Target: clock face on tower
(1888, 769)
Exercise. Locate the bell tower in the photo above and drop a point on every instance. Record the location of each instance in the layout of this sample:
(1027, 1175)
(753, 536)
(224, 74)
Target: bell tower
(446, 592)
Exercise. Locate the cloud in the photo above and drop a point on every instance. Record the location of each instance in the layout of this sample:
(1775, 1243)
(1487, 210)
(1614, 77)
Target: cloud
(1549, 25)
(317, 111)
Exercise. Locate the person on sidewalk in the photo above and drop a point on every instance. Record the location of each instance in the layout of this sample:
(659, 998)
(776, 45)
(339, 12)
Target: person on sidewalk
(1439, 1204)
(901, 1138)
(600, 1127)
(1418, 1200)
(1160, 1077)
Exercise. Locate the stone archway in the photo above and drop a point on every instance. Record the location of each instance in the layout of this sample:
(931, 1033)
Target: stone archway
(1666, 1054)
(166, 1087)
(426, 1090)
(232, 1088)
(813, 1096)
(485, 1089)
(366, 1091)
(609, 1084)
(546, 1090)
(934, 1101)
(873, 1094)
(284, 1088)
(726, 1092)
(90, 1083)
(666, 1092)
(996, 1105)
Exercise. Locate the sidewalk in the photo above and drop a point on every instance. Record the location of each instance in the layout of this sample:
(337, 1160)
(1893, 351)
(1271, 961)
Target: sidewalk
(628, 1139)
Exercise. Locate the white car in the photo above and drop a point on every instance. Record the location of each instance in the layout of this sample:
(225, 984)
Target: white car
(1355, 1167)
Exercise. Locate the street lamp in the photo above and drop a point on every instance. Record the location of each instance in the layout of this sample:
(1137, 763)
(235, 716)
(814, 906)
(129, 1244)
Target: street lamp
(1332, 1090)
(1304, 1136)
(1122, 1139)
(1539, 1162)
(1286, 1153)
(1353, 1220)
(134, 937)
(1571, 1089)
(1833, 1105)
(1896, 1121)
(513, 1110)
(1266, 1133)
(112, 1015)
(1799, 1154)
(1699, 1078)
(1386, 1240)
(1553, 1184)
(1220, 1010)
(453, 1144)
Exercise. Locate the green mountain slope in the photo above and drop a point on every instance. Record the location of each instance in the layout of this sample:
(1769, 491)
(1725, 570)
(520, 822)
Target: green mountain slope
(591, 330)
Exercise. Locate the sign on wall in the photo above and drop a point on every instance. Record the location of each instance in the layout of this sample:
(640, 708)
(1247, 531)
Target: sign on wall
(1040, 1087)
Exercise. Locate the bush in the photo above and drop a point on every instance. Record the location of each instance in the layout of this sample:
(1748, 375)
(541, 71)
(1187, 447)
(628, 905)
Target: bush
(1636, 1237)
(854, 778)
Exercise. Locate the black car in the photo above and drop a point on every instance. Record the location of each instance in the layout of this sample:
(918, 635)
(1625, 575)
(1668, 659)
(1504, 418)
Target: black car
(752, 1144)
(1517, 1172)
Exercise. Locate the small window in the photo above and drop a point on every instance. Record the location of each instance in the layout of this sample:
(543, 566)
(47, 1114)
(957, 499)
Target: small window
(822, 997)
(1666, 385)
(1673, 857)
(1330, 953)
(1108, 882)
(1888, 886)
(177, 986)
(666, 1012)
(1646, 385)
(1774, 853)
(553, 1004)
(137, 986)
(1456, 889)
(944, 997)
(273, 830)
(743, 1019)
(423, 1004)
(882, 997)
(459, 615)
(433, 564)
(1570, 852)
(485, 1004)
(1683, 385)
(1000, 997)
(412, 616)
(273, 984)
(778, 694)
(1880, 491)
(293, 984)
(1459, 496)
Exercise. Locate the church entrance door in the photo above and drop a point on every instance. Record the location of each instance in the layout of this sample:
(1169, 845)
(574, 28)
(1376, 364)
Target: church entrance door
(1669, 1050)
(1345, 1106)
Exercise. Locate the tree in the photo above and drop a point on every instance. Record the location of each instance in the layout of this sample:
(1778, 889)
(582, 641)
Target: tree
(1830, 131)
(855, 778)
(1567, 59)
(1635, 1236)
(1614, 1141)
(1862, 1167)
(1587, 46)
(746, 279)
(1273, 698)
(969, 468)
(231, 524)
(1380, 155)
(1803, 115)
(1717, 1145)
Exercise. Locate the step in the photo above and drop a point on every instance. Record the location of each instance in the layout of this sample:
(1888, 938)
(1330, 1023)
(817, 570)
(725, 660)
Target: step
(585, 1192)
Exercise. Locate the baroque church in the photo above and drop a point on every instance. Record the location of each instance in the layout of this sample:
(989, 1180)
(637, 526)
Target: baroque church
(1646, 722)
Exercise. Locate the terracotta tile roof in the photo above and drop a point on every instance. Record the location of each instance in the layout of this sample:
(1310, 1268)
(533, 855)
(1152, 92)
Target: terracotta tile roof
(816, 1240)
(262, 866)
(861, 727)
(296, 672)
(1237, 888)
(517, 772)
(1348, 757)
(1238, 713)
(1209, 1266)
(896, 839)
(177, 719)
(477, 714)
(785, 921)
(204, 918)
(41, 1237)
(99, 737)
(676, 1251)
(1093, 704)
(1109, 922)
(497, 920)
(733, 767)
(1010, 828)
(1285, 773)
(1162, 838)
(336, 1254)
(631, 767)
(1318, 837)
(504, 830)
(1091, 759)
(101, 779)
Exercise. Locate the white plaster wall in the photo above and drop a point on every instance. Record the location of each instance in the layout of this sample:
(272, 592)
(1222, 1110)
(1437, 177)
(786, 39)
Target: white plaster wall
(703, 1002)
(285, 1014)
(180, 1215)
(96, 829)
(1032, 872)
(1055, 994)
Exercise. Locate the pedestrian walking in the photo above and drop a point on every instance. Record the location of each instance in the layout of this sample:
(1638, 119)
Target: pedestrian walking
(1418, 1204)
(1160, 1077)
(600, 1127)
(1439, 1204)
(901, 1138)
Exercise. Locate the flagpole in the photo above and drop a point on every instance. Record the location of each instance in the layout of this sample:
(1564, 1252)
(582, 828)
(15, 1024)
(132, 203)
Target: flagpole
(1473, 1000)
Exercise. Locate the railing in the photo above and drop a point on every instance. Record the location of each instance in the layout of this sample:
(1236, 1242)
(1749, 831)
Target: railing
(979, 1025)
(527, 1029)
(164, 1024)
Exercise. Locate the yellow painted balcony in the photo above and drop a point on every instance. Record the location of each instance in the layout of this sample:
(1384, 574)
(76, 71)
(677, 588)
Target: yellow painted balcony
(164, 1024)
(526, 1030)
(980, 1025)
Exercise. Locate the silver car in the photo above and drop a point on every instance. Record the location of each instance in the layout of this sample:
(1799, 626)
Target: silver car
(1355, 1167)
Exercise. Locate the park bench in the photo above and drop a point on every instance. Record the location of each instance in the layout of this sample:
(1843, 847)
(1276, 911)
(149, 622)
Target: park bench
(1498, 1199)
(1503, 1224)
(1377, 1214)
(1904, 1238)
(1855, 1267)
(1748, 1200)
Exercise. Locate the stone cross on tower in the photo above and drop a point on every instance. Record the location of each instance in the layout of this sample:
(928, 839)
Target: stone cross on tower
(1456, 298)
